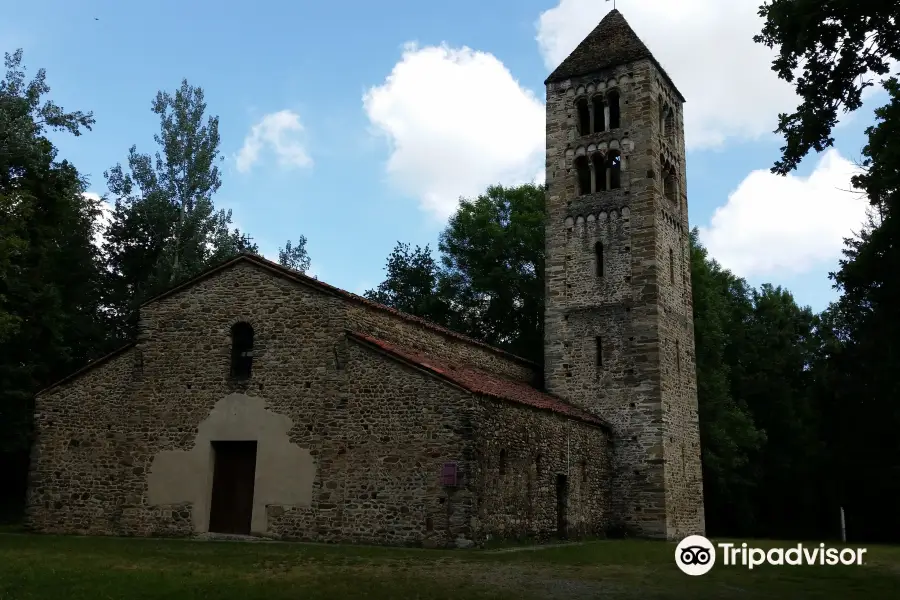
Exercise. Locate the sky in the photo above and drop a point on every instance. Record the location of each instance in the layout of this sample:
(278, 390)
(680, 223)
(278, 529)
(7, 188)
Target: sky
(359, 124)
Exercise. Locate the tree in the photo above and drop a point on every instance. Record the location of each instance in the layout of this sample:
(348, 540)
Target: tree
(866, 359)
(729, 439)
(50, 270)
(295, 257)
(492, 253)
(413, 284)
(840, 46)
(165, 228)
(489, 284)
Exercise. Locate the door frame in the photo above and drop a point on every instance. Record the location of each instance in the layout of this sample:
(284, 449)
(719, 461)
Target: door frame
(215, 521)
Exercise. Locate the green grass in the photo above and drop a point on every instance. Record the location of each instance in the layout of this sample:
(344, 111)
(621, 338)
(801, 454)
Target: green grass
(75, 568)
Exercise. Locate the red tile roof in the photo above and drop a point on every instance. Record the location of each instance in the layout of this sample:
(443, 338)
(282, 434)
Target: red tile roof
(481, 382)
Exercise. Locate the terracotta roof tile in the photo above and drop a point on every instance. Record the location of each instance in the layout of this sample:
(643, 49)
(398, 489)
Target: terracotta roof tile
(482, 382)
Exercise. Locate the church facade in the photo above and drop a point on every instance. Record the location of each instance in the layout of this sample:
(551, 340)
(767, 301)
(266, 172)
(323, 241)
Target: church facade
(259, 401)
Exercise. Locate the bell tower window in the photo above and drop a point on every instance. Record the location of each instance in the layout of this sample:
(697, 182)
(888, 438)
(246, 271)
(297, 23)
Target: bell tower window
(583, 170)
(584, 116)
(598, 164)
(615, 115)
(614, 170)
(599, 114)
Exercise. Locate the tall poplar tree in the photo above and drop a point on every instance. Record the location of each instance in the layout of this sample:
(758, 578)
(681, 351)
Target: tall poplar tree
(165, 227)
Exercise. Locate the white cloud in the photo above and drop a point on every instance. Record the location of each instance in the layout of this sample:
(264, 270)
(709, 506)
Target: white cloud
(457, 122)
(281, 132)
(706, 46)
(787, 225)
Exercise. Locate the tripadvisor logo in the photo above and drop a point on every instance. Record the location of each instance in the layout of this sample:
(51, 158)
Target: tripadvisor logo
(696, 555)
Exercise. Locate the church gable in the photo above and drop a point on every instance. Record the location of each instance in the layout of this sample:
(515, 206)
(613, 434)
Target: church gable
(249, 287)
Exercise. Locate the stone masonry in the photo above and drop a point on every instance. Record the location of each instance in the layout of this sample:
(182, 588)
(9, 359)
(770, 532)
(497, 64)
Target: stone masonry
(372, 426)
(353, 430)
(636, 312)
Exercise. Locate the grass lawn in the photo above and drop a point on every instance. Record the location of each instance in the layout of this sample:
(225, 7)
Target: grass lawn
(74, 568)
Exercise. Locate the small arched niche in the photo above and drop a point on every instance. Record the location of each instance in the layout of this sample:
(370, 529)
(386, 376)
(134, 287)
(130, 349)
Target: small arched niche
(241, 350)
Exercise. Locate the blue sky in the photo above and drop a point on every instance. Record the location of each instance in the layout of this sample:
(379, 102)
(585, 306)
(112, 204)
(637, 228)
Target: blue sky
(358, 124)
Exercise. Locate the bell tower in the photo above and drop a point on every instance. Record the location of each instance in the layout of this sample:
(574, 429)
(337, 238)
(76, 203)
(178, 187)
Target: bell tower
(619, 334)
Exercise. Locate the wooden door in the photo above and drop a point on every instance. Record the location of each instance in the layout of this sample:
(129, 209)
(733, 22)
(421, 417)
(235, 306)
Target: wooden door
(234, 473)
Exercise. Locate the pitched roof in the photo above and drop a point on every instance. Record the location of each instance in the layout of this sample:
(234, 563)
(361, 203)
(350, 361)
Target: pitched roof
(481, 382)
(300, 278)
(612, 43)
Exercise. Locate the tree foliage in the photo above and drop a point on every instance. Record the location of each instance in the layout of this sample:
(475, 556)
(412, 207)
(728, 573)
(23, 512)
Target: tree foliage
(51, 321)
(413, 284)
(489, 283)
(295, 256)
(839, 47)
(165, 227)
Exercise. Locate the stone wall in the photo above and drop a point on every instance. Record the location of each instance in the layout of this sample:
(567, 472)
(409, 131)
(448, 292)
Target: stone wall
(519, 453)
(124, 448)
(621, 314)
(431, 342)
(381, 446)
(681, 444)
(80, 453)
(183, 353)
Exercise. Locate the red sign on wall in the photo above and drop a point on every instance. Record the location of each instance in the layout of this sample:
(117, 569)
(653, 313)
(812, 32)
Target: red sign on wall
(449, 474)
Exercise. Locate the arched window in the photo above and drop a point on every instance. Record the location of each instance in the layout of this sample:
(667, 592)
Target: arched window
(614, 166)
(599, 114)
(669, 188)
(670, 123)
(614, 111)
(662, 118)
(241, 350)
(599, 163)
(584, 116)
(598, 255)
(584, 175)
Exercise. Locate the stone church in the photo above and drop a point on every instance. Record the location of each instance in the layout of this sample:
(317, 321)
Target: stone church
(258, 401)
